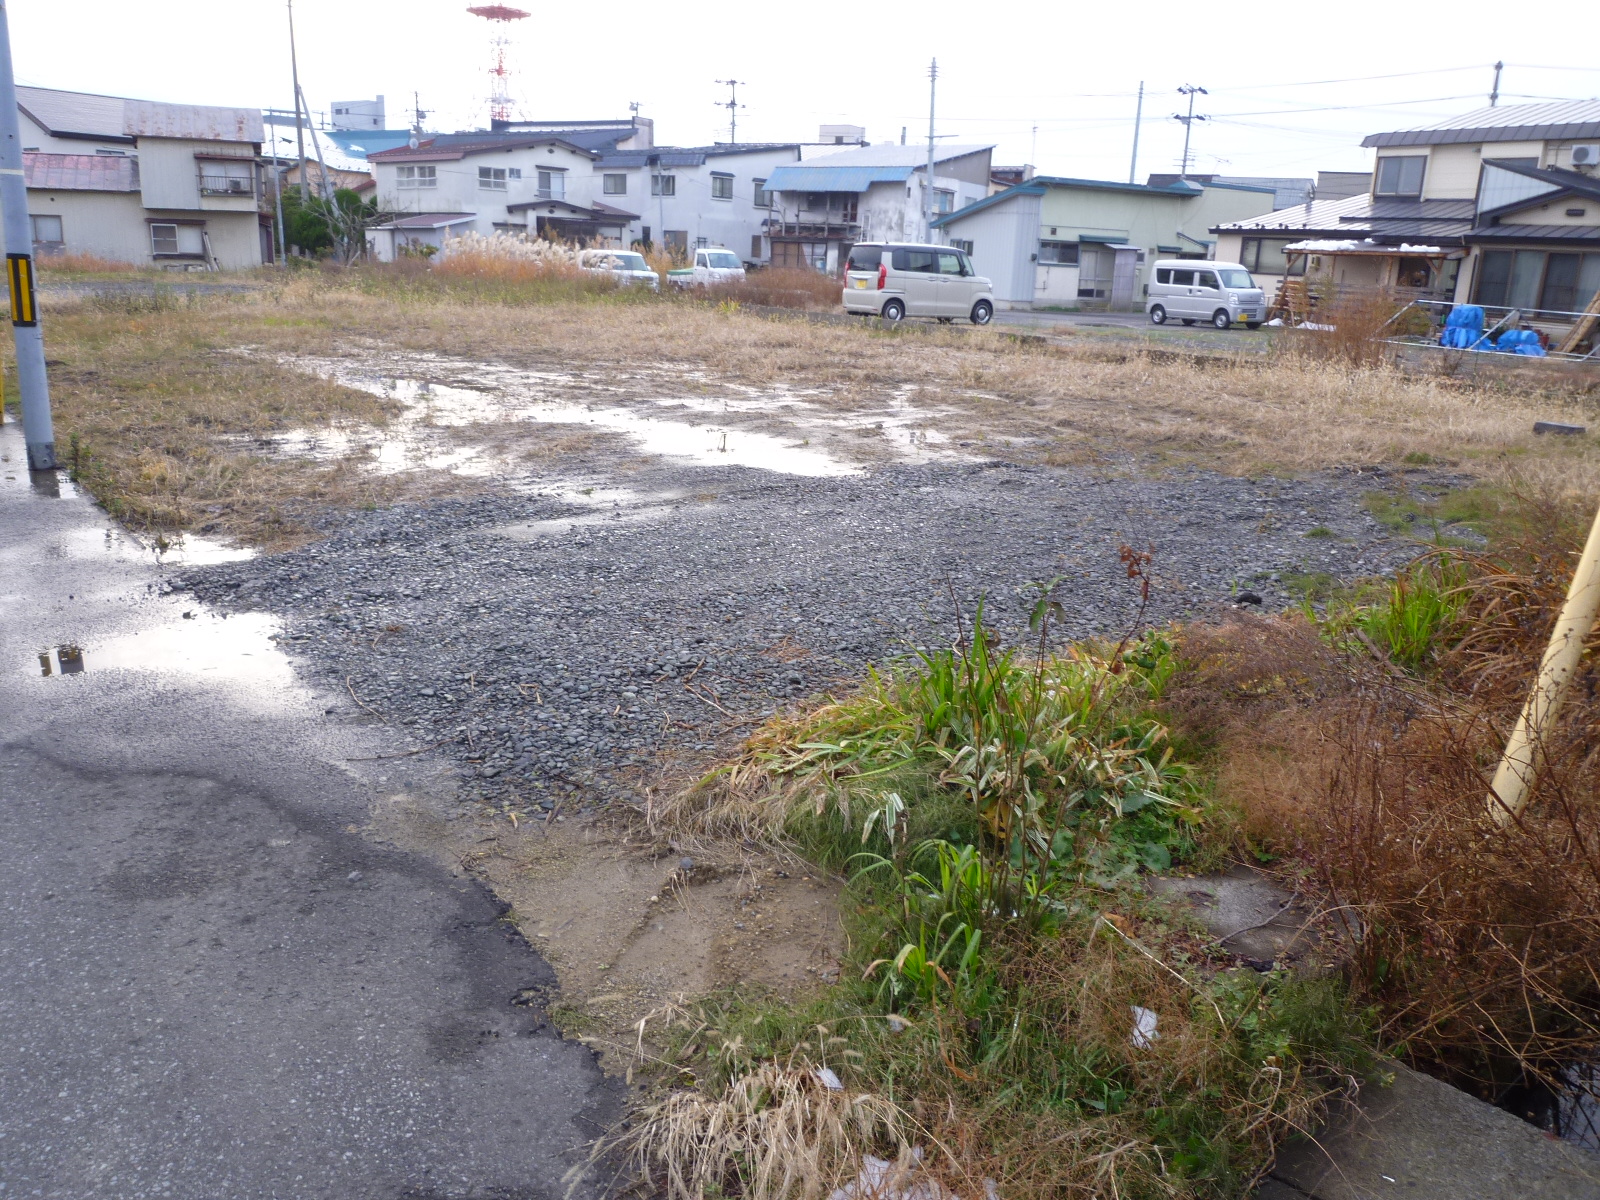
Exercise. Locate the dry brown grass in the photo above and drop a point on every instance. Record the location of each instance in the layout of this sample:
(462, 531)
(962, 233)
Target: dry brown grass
(147, 388)
(1479, 944)
(81, 264)
(783, 287)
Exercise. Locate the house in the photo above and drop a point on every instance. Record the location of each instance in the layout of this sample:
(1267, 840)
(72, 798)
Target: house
(1499, 206)
(694, 196)
(824, 205)
(167, 185)
(344, 154)
(1086, 243)
(529, 183)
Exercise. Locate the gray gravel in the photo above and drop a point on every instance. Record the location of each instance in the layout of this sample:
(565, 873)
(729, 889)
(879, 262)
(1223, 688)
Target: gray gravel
(557, 664)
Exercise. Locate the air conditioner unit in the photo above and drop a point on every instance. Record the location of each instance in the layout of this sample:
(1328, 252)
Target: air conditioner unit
(1586, 154)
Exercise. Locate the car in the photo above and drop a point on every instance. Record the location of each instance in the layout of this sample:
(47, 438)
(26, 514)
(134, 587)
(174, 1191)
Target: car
(712, 264)
(895, 280)
(627, 267)
(1195, 289)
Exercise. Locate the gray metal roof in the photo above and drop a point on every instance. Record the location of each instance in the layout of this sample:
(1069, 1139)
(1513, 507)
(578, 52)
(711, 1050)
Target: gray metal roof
(1536, 233)
(86, 115)
(1510, 123)
(688, 156)
(1345, 213)
(891, 156)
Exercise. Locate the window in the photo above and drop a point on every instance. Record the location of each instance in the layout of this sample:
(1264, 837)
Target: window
(943, 200)
(675, 240)
(1063, 254)
(663, 185)
(227, 178)
(492, 179)
(916, 260)
(755, 246)
(1266, 256)
(1182, 278)
(552, 185)
(1532, 279)
(962, 244)
(513, 172)
(1401, 175)
(47, 237)
(1234, 278)
(614, 185)
(1206, 279)
(763, 197)
(722, 260)
(722, 187)
(407, 178)
(950, 263)
(865, 258)
(169, 238)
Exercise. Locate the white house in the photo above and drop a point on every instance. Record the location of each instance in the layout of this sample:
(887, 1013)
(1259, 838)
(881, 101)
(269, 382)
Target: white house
(694, 196)
(535, 184)
(167, 185)
(824, 205)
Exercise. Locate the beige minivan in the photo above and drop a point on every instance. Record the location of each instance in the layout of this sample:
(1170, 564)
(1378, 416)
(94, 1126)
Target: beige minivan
(895, 281)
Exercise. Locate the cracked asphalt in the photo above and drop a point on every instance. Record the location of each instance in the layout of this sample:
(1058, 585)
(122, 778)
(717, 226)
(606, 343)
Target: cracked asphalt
(214, 980)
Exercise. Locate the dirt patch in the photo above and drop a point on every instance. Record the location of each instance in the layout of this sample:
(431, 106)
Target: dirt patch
(631, 923)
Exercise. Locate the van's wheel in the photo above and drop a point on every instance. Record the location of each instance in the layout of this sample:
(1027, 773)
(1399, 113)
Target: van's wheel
(1252, 324)
(1158, 315)
(1221, 319)
(1187, 320)
(946, 320)
(894, 310)
(982, 312)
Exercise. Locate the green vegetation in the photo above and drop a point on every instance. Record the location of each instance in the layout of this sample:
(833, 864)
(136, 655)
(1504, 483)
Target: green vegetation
(1023, 1008)
(1318, 531)
(1489, 512)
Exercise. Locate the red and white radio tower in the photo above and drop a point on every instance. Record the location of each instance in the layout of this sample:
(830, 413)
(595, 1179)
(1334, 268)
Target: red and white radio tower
(499, 74)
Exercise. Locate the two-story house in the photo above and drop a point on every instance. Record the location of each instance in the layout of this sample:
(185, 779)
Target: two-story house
(1499, 206)
(457, 183)
(695, 196)
(824, 205)
(168, 185)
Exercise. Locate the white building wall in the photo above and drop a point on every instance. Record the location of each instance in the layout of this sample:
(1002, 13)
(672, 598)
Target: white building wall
(115, 225)
(36, 137)
(1004, 246)
(457, 189)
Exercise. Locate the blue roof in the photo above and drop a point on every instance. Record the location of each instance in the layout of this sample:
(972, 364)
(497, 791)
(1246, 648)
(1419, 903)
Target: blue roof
(814, 177)
(358, 143)
(1039, 184)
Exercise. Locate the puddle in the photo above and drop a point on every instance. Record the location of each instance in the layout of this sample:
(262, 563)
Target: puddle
(436, 394)
(240, 647)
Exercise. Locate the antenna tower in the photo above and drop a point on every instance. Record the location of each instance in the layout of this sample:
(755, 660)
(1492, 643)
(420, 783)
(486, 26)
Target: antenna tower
(499, 73)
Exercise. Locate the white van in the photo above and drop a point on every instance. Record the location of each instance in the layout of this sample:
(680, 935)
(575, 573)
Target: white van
(895, 281)
(1195, 289)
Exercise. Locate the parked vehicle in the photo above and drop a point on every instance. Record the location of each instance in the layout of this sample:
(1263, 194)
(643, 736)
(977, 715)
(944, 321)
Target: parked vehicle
(1190, 290)
(896, 281)
(627, 267)
(711, 265)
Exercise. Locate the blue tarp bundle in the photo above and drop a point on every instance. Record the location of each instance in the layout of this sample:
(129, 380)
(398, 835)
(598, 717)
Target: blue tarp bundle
(1463, 328)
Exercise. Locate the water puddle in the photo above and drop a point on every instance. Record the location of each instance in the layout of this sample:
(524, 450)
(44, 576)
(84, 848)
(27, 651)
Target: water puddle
(241, 647)
(439, 398)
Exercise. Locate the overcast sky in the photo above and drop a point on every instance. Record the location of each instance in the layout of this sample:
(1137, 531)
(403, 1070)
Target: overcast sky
(1290, 89)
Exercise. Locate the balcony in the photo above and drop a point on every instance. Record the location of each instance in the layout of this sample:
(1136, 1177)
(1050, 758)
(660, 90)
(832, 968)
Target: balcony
(228, 185)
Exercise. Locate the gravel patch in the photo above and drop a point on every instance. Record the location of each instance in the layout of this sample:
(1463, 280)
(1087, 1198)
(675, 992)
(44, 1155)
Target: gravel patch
(554, 649)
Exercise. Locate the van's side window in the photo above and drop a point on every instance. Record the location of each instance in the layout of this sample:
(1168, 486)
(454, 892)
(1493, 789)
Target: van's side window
(1183, 278)
(1163, 274)
(916, 260)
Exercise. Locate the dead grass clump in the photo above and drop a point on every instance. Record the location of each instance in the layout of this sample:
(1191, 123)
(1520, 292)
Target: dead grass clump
(81, 264)
(775, 1132)
(1479, 945)
(783, 287)
(1347, 327)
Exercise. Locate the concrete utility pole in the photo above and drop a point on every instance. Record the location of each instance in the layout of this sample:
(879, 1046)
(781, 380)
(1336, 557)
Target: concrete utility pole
(927, 191)
(733, 106)
(32, 380)
(299, 133)
(1494, 92)
(1188, 123)
(1138, 118)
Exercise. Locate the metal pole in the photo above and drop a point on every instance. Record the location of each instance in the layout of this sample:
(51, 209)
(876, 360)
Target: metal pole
(1508, 795)
(1188, 127)
(1138, 116)
(277, 200)
(32, 380)
(927, 191)
(1494, 92)
(299, 133)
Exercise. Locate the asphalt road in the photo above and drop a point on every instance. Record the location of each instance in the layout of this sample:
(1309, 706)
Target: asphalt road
(213, 983)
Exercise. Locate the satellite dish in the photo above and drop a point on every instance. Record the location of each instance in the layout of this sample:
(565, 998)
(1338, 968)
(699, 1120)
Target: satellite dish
(413, 142)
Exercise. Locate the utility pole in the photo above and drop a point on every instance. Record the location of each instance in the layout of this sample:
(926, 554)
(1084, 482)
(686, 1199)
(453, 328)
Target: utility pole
(299, 133)
(927, 191)
(32, 379)
(1138, 117)
(732, 105)
(1494, 92)
(1188, 123)
(277, 200)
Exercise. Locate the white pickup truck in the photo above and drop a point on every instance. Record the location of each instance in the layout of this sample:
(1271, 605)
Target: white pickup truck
(713, 265)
